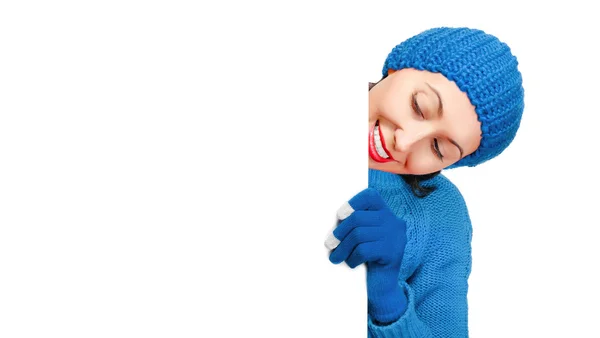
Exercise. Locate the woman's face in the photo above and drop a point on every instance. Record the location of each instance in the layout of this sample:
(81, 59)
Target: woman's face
(419, 123)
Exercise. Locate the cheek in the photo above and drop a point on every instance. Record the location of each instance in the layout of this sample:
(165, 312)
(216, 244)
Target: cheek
(422, 161)
(394, 108)
(475, 140)
(470, 128)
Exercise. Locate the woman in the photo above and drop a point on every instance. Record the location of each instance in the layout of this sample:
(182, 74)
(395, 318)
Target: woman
(449, 97)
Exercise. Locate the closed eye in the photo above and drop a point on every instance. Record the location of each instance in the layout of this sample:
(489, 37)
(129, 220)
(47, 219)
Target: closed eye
(436, 149)
(415, 106)
(434, 145)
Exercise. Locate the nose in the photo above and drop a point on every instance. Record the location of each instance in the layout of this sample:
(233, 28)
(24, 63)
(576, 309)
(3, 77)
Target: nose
(406, 138)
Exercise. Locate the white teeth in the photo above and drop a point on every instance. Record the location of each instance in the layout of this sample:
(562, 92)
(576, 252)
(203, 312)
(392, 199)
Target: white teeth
(378, 144)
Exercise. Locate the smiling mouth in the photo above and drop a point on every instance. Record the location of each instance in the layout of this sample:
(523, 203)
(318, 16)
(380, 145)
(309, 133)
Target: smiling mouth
(377, 150)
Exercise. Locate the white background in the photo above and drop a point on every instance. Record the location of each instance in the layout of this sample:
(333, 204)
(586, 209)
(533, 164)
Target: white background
(171, 169)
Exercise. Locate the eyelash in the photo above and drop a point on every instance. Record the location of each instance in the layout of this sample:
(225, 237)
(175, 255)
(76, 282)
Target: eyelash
(436, 149)
(434, 145)
(416, 107)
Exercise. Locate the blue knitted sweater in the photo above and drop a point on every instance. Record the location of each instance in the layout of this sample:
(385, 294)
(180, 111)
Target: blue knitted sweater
(436, 262)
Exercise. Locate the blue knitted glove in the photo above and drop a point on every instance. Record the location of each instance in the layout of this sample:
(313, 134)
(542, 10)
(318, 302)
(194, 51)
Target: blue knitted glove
(374, 235)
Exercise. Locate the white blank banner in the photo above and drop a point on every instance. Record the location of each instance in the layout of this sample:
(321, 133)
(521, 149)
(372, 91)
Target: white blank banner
(172, 169)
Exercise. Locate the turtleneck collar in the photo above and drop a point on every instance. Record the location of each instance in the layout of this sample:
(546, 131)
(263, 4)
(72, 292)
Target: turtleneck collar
(382, 179)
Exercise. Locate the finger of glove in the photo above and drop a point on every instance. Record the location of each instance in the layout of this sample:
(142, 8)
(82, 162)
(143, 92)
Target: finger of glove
(362, 253)
(368, 199)
(331, 241)
(344, 211)
(358, 218)
(353, 239)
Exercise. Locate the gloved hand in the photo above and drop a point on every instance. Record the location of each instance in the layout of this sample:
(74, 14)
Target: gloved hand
(374, 235)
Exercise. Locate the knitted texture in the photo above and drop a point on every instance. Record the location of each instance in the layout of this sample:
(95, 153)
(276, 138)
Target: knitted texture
(481, 66)
(436, 263)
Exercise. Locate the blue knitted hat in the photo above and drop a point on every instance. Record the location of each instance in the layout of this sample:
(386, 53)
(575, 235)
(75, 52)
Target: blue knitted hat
(483, 67)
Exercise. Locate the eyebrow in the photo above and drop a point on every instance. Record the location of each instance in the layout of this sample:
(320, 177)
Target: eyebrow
(440, 113)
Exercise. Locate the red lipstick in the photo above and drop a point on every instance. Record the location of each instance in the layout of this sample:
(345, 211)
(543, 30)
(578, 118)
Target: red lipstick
(372, 149)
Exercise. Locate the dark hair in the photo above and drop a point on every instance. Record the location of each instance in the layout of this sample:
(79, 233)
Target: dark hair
(415, 181)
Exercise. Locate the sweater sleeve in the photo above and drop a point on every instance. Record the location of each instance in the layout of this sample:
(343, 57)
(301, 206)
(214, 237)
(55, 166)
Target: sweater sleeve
(437, 290)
